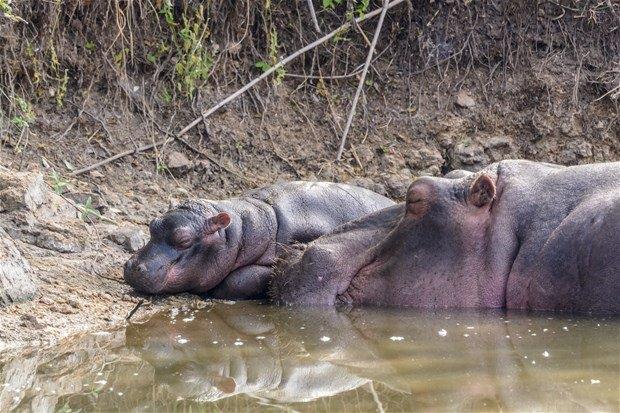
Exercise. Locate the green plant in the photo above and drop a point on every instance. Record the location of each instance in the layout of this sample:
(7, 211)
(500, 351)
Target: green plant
(340, 36)
(90, 46)
(193, 59)
(67, 409)
(161, 167)
(362, 7)
(119, 58)
(26, 114)
(167, 11)
(166, 96)
(87, 210)
(7, 11)
(62, 89)
(331, 4)
(262, 65)
(273, 55)
(58, 183)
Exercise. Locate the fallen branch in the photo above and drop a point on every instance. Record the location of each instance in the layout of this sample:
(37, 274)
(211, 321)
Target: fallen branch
(120, 155)
(271, 70)
(313, 14)
(360, 86)
(286, 60)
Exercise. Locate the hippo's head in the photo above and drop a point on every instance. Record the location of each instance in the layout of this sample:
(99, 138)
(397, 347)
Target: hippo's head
(180, 251)
(421, 257)
(428, 259)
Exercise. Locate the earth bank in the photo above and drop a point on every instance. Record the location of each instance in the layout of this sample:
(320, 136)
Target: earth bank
(447, 92)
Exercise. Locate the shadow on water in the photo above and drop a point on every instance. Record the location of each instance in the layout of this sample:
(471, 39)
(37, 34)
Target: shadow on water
(249, 356)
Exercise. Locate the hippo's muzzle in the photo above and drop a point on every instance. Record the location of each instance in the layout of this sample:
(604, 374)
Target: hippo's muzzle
(149, 270)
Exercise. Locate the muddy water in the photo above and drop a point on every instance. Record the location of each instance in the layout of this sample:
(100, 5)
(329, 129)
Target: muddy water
(249, 356)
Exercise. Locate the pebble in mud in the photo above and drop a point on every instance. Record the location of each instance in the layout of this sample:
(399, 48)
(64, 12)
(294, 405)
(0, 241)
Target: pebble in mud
(130, 238)
(464, 100)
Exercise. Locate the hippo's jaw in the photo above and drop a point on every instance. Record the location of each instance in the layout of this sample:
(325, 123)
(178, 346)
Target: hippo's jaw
(361, 285)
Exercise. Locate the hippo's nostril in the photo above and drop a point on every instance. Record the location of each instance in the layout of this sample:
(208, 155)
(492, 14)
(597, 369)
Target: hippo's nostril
(142, 269)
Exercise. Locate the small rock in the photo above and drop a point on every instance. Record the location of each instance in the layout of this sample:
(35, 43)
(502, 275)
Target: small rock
(469, 156)
(16, 279)
(434, 170)
(393, 161)
(130, 238)
(575, 152)
(21, 190)
(570, 127)
(397, 186)
(425, 158)
(365, 154)
(63, 309)
(204, 166)
(583, 149)
(75, 303)
(46, 301)
(495, 142)
(56, 242)
(28, 320)
(178, 163)
(464, 100)
(498, 148)
(96, 174)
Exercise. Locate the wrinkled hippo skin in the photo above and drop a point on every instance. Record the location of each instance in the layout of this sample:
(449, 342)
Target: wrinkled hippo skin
(517, 235)
(227, 248)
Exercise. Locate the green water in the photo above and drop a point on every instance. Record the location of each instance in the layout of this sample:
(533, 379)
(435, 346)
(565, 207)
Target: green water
(249, 357)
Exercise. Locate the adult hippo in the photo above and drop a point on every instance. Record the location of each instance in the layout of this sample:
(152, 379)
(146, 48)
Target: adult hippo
(519, 235)
(228, 247)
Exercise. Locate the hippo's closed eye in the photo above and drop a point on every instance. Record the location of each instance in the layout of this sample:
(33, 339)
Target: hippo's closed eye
(182, 238)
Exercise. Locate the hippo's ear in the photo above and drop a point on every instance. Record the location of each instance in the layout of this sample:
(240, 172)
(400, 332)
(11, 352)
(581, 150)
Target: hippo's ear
(216, 223)
(482, 191)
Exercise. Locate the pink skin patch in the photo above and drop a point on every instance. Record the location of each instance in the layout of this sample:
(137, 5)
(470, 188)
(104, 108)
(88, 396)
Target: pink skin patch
(172, 275)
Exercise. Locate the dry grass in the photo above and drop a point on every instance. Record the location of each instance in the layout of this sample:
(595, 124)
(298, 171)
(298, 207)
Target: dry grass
(152, 54)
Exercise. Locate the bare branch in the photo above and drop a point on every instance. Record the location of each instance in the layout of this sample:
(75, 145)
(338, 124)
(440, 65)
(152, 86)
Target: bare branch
(313, 14)
(360, 86)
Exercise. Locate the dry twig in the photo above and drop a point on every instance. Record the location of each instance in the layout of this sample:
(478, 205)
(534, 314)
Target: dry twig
(313, 14)
(360, 86)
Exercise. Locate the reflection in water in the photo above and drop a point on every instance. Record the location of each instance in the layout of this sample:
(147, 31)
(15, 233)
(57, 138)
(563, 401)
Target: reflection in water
(249, 356)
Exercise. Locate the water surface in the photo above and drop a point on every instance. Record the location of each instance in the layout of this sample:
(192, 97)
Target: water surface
(251, 356)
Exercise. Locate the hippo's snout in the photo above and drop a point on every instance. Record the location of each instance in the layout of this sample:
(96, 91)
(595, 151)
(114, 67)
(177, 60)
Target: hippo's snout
(141, 278)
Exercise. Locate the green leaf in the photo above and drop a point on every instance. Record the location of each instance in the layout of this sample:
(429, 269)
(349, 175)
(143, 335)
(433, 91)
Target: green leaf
(263, 66)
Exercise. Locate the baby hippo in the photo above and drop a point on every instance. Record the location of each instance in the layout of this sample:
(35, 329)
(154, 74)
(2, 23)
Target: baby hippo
(227, 248)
